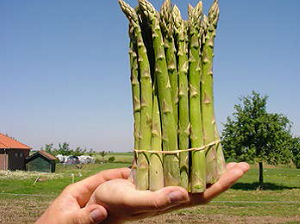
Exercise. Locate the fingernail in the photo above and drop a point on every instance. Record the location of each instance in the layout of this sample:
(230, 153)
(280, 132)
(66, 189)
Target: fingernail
(97, 215)
(176, 196)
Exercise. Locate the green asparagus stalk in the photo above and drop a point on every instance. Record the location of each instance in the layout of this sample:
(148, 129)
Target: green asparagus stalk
(135, 89)
(208, 117)
(145, 98)
(135, 86)
(147, 38)
(167, 29)
(198, 171)
(169, 131)
(156, 176)
(184, 121)
(156, 159)
(221, 164)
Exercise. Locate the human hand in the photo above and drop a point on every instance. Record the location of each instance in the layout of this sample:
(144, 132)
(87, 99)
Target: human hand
(123, 202)
(70, 206)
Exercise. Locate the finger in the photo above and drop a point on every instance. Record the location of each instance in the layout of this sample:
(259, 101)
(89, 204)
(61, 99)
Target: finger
(224, 183)
(123, 192)
(147, 201)
(244, 166)
(83, 189)
(90, 215)
(94, 181)
(230, 165)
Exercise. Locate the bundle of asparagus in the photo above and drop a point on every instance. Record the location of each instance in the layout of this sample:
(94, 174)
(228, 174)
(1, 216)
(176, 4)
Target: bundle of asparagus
(176, 141)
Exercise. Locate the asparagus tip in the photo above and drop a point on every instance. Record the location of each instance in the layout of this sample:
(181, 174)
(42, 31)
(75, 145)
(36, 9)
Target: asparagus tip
(147, 6)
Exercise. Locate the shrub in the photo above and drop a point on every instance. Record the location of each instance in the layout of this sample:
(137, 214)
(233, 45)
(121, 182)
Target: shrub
(111, 159)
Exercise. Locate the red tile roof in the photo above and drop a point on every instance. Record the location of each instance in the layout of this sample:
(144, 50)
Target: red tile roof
(9, 143)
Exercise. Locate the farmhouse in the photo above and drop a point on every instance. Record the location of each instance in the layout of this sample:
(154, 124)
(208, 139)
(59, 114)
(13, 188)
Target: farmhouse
(12, 153)
(41, 161)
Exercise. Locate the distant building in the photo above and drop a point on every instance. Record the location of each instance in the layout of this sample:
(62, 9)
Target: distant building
(12, 154)
(41, 161)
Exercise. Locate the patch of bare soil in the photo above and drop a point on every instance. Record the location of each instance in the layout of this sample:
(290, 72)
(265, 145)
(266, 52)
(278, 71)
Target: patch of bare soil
(25, 211)
(21, 211)
(190, 218)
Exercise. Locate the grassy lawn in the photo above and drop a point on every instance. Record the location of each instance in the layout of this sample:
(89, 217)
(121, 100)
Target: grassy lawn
(123, 157)
(280, 199)
(51, 184)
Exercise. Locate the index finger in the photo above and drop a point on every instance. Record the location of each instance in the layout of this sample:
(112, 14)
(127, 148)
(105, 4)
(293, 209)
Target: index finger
(224, 183)
(83, 189)
(92, 182)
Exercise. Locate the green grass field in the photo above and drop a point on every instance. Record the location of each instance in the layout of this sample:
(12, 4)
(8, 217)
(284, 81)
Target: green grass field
(280, 200)
(122, 157)
(50, 184)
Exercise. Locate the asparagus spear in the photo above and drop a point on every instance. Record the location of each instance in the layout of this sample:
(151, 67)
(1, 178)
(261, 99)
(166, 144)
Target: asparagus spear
(147, 38)
(145, 98)
(169, 131)
(198, 169)
(210, 25)
(156, 176)
(167, 29)
(184, 125)
(135, 89)
(221, 164)
(135, 86)
(156, 161)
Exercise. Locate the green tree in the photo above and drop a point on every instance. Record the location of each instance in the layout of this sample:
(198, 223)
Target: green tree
(254, 135)
(295, 148)
(103, 154)
(48, 148)
(64, 149)
(91, 152)
(78, 151)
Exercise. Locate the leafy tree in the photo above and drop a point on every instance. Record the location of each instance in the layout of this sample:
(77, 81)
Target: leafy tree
(103, 154)
(64, 149)
(78, 151)
(254, 135)
(49, 148)
(295, 148)
(91, 152)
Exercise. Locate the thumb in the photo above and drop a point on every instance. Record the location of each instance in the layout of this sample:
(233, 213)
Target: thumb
(92, 214)
(147, 201)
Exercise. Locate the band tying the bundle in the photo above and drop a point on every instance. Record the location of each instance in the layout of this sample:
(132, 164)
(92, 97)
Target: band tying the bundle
(179, 151)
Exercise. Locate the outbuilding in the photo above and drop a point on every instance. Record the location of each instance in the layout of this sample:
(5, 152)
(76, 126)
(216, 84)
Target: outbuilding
(12, 153)
(41, 161)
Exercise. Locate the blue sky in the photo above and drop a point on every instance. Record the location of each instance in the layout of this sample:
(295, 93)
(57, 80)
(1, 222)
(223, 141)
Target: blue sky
(64, 68)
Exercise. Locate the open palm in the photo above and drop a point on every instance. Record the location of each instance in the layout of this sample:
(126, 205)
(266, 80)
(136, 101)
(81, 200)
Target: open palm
(123, 202)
